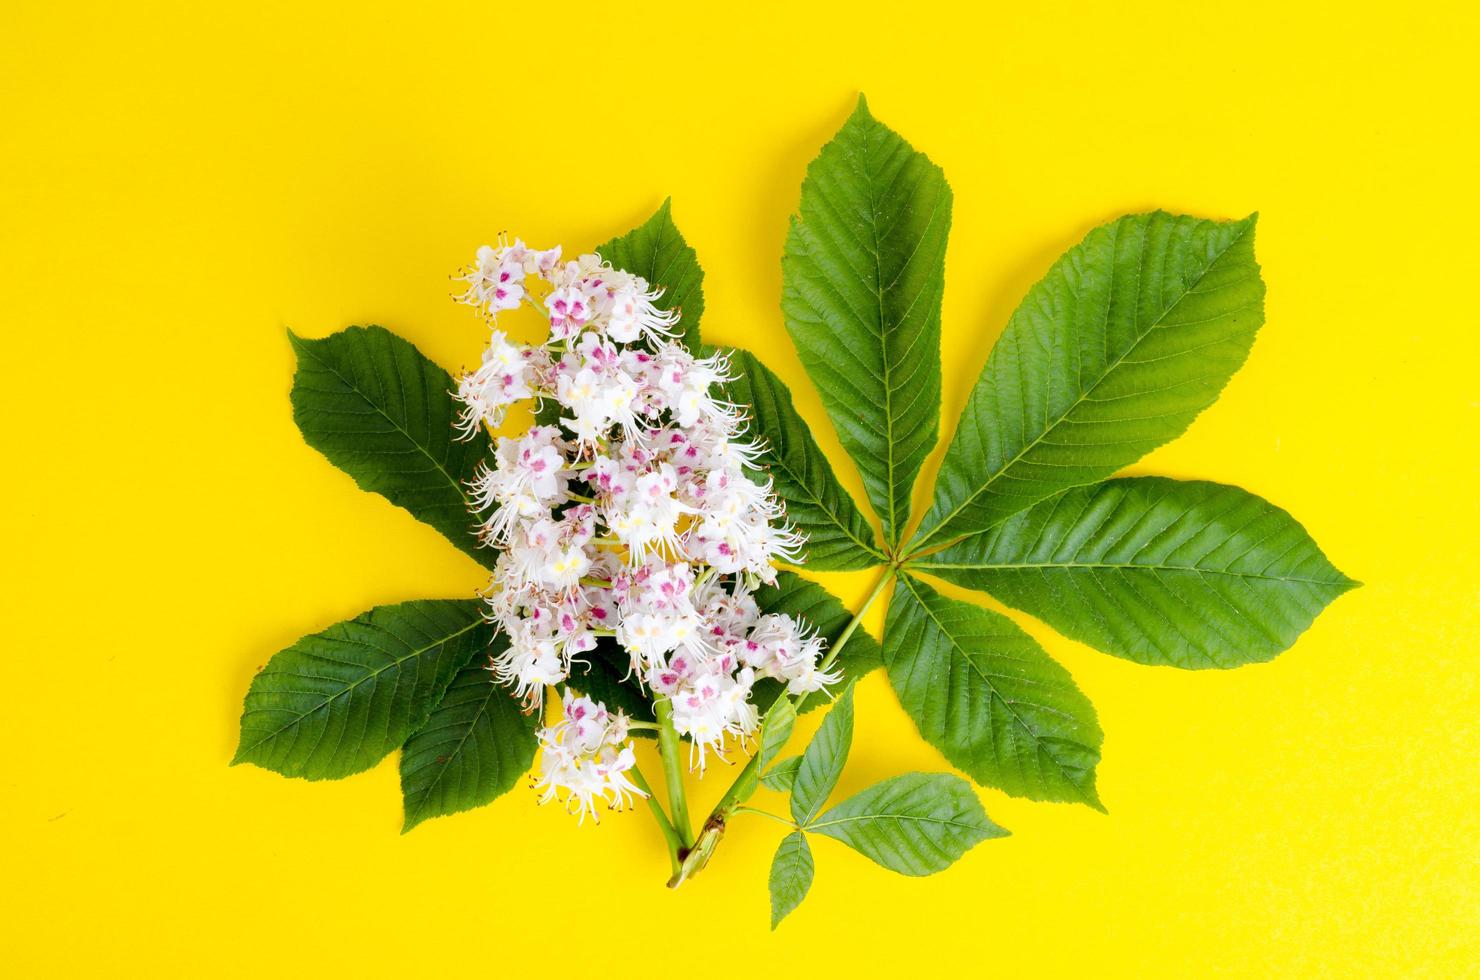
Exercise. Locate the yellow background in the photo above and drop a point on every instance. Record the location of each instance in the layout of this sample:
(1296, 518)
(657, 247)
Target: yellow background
(179, 184)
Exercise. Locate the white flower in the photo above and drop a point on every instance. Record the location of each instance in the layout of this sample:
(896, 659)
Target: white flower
(646, 518)
(530, 664)
(494, 282)
(586, 755)
(501, 380)
(780, 647)
(710, 705)
(569, 309)
(528, 479)
(689, 385)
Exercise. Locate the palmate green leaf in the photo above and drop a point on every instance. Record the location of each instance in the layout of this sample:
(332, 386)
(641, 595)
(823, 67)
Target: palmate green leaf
(474, 747)
(383, 413)
(862, 279)
(1132, 333)
(823, 761)
(791, 875)
(783, 774)
(990, 698)
(1159, 571)
(337, 702)
(656, 251)
(811, 603)
(838, 536)
(915, 824)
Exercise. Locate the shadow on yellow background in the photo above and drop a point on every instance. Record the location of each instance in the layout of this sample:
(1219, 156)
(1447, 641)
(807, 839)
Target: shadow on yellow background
(179, 186)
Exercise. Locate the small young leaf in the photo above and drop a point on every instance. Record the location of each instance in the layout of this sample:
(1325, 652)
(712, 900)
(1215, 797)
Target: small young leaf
(1159, 571)
(783, 774)
(791, 875)
(823, 761)
(337, 702)
(473, 748)
(862, 278)
(988, 696)
(383, 413)
(915, 824)
(838, 535)
(775, 731)
(811, 603)
(656, 251)
(1130, 335)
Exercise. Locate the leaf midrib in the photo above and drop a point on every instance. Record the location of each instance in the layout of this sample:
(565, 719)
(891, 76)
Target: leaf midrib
(1083, 395)
(455, 484)
(996, 691)
(889, 816)
(1130, 566)
(836, 518)
(891, 528)
(357, 682)
(426, 791)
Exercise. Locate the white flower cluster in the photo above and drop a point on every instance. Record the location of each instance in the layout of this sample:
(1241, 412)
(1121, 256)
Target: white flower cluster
(634, 518)
(587, 754)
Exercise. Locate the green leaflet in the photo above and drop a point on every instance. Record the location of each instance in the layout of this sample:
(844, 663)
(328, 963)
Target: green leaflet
(813, 604)
(383, 413)
(823, 761)
(337, 702)
(473, 748)
(656, 251)
(783, 774)
(791, 875)
(780, 718)
(838, 535)
(915, 824)
(1132, 333)
(1159, 571)
(862, 279)
(988, 696)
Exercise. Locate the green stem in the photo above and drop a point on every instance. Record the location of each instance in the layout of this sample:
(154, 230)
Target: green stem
(767, 813)
(745, 784)
(664, 824)
(843, 637)
(671, 749)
